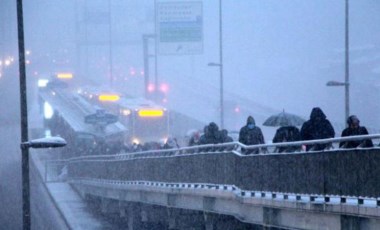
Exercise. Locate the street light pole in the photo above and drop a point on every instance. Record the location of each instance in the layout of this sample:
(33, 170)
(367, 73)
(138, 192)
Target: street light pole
(24, 120)
(110, 43)
(221, 66)
(146, 55)
(146, 64)
(156, 51)
(346, 82)
(347, 69)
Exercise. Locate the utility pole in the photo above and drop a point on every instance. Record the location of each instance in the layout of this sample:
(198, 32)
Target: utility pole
(156, 52)
(24, 120)
(221, 66)
(146, 54)
(347, 64)
(110, 42)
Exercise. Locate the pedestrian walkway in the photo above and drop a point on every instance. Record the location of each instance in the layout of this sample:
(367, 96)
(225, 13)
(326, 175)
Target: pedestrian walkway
(68, 202)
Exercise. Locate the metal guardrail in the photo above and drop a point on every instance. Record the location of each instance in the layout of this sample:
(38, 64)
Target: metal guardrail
(235, 147)
(332, 172)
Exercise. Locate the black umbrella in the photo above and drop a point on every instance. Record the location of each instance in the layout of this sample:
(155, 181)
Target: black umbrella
(284, 119)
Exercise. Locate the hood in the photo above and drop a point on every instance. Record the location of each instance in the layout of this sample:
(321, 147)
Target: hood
(213, 127)
(317, 114)
(251, 120)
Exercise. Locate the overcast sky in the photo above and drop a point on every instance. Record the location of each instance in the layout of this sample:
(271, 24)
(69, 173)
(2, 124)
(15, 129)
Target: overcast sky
(277, 54)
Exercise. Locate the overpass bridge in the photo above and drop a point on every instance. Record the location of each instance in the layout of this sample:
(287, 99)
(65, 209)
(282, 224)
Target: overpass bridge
(330, 189)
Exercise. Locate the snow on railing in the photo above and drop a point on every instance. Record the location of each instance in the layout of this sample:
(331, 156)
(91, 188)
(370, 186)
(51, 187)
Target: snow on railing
(234, 147)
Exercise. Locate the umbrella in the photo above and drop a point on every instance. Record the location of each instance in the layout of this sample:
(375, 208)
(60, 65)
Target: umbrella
(284, 119)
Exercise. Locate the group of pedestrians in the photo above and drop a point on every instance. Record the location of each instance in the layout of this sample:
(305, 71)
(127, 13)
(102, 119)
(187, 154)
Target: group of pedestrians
(170, 143)
(211, 135)
(317, 127)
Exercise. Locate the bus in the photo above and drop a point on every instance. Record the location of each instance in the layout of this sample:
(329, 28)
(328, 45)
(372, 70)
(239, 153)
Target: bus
(145, 120)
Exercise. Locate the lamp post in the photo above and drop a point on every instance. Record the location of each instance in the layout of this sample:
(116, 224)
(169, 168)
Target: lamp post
(24, 120)
(48, 142)
(220, 65)
(347, 67)
(221, 92)
(346, 82)
(25, 144)
(347, 99)
(146, 55)
(110, 43)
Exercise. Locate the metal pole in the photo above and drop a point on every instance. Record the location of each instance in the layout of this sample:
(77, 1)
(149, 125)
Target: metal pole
(24, 120)
(3, 10)
(347, 69)
(110, 42)
(146, 64)
(155, 52)
(221, 66)
(86, 39)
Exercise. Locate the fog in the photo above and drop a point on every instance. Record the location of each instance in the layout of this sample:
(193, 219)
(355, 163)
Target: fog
(278, 55)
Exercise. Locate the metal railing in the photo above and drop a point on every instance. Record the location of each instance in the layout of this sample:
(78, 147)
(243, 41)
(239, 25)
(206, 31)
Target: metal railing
(236, 148)
(331, 171)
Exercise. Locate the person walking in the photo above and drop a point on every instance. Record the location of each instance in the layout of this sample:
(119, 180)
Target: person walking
(317, 127)
(287, 134)
(354, 129)
(250, 134)
(224, 136)
(226, 139)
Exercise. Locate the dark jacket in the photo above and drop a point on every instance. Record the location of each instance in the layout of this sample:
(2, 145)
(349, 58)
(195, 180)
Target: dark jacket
(318, 127)
(214, 136)
(251, 134)
(224, 136)
(361, 130)
(287, 134)
(203, 140)
(194, 140)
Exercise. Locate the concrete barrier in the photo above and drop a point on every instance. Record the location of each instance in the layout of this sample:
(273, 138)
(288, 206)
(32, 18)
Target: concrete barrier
(338, 172)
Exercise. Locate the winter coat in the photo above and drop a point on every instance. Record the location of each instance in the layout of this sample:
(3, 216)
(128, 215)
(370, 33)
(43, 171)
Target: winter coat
(361, 130)
(251, 136)
(318, 127)
(287, 134)
(226, 139)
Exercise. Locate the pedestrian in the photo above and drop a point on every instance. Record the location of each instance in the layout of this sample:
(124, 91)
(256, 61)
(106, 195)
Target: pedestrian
(287, 134)
(354, 129)
(250, 134)
(214, 134)
(205, 136)
(224, 136)
(317, 127)
(171, 143)
(194, 139)
(226, 139)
